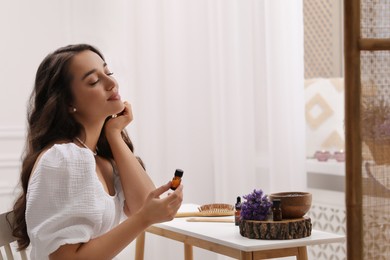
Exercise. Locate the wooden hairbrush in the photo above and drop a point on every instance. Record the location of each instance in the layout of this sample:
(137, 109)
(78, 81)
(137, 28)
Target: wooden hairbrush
(209, 210)
(211, 219)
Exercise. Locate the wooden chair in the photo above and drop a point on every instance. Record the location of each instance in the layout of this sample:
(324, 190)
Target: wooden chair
(6, 239)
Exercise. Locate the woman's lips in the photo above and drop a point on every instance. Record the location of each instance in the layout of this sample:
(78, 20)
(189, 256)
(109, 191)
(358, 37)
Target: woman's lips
(115, 96)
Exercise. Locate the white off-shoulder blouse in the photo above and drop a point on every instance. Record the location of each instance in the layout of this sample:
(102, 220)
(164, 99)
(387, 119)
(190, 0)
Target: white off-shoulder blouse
(66, 202)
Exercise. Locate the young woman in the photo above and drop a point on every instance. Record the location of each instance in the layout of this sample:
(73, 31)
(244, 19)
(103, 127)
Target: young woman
(79, 173)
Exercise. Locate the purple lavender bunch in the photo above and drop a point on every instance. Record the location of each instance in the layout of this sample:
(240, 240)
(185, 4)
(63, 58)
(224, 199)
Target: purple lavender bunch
(256, 206)
(382, 131)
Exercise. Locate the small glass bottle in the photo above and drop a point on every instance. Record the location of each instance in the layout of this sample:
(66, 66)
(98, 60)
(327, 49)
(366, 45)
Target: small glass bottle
(237, 211)
(176, 179)
(276, 210)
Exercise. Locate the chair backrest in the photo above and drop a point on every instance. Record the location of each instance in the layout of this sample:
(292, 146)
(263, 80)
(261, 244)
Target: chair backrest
(6, 238)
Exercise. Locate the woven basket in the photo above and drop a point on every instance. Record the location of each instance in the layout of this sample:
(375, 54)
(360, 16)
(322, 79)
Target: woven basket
(380, 151)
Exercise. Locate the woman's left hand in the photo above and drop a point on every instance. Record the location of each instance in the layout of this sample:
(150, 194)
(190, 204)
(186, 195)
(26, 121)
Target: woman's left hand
(119, 122)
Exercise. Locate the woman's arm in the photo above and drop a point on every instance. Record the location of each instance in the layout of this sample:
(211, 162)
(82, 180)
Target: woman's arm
(107, 246)
(135, 181)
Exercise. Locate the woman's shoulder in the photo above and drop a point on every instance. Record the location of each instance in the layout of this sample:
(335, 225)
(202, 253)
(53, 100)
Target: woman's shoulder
(65, 152)
(63, 155)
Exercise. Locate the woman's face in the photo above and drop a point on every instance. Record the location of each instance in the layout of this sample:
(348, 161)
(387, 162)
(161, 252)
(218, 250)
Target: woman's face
(94, 89)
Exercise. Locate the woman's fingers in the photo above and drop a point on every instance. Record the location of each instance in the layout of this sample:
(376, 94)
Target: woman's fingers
(160, 190)
(165, 209)
(175, 199)
(121, 120)
(127, 111)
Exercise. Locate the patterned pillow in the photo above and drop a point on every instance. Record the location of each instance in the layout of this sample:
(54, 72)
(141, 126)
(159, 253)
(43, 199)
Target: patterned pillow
(324, 111)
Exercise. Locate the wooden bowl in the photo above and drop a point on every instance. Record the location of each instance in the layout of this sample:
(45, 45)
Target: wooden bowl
(294, 204)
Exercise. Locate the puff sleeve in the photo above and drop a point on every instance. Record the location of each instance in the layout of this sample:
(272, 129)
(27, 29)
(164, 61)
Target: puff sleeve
(66, 202)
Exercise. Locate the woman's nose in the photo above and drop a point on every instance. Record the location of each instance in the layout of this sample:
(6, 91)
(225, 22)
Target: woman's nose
(110, 83)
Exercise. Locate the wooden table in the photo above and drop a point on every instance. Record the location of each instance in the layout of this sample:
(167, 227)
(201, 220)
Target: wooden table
(225, 239)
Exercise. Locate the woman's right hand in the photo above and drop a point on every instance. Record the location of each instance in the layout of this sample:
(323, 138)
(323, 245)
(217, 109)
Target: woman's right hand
(156, 209)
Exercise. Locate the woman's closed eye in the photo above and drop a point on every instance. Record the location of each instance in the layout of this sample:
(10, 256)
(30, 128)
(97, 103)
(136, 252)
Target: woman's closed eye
(98, 79)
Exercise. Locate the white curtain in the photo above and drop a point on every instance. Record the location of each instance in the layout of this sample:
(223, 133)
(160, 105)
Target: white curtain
(216, 86)
(218, 91)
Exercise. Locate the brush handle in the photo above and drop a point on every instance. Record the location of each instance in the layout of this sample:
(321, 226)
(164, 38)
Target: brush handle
(204, 214)
(189, 214)
(212, 219)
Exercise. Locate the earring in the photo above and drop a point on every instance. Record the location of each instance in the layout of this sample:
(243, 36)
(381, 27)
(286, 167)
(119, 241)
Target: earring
(74, 110)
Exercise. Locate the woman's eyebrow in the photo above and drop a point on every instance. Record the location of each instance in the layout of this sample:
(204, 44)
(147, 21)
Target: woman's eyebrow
(92, 71)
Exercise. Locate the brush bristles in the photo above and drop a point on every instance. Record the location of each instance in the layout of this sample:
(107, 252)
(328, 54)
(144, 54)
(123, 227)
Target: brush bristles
(217, 207)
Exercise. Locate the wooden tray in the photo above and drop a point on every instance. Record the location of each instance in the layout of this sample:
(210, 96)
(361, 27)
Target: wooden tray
(272, 230)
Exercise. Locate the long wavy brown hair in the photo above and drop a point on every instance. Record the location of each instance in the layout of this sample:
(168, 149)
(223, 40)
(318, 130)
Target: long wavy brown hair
(49, 121)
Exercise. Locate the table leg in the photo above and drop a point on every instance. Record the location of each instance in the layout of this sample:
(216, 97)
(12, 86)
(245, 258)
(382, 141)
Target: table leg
(140, 247)
(246, 255)
(302, 253)
(188, 254)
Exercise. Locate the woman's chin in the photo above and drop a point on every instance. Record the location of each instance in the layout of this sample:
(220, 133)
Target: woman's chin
(119, 110)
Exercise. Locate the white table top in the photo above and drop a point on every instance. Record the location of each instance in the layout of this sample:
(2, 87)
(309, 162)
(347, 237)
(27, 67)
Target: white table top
(228, 234)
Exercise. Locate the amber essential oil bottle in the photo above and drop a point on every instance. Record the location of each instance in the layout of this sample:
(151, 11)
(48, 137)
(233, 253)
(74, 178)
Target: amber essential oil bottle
(176, 179)
(237, 211)
(276, 210)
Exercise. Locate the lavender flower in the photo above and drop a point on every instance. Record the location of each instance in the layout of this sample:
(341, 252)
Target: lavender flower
(375, 119)
(256, 206)
(382, 131)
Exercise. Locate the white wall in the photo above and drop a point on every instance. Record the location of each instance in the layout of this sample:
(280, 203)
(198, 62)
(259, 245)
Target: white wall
(29, 30)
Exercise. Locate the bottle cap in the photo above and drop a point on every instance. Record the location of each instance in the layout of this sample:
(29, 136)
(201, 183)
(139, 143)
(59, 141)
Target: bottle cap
(238, 199)
(179, 173)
